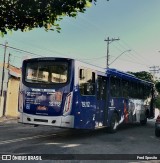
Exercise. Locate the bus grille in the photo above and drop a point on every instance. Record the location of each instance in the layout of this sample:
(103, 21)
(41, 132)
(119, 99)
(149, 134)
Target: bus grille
(41, 120)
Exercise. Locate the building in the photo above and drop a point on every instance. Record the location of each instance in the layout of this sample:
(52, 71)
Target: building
(10, 106)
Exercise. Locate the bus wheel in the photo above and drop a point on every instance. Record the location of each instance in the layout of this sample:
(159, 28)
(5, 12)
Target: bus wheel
(113, 123)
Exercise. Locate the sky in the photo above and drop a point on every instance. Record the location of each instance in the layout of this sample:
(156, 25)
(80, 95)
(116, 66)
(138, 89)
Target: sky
(135, 22)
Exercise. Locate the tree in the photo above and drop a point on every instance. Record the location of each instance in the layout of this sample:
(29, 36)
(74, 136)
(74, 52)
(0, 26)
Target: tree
(157, 102)
(29, 14)
(143, 75)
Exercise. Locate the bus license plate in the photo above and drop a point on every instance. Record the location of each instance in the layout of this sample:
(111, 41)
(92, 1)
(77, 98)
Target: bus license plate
(42, 108)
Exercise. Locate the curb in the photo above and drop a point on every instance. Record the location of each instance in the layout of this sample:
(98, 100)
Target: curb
(8, 119)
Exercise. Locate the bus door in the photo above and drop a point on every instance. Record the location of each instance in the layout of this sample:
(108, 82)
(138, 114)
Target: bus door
(101, 108)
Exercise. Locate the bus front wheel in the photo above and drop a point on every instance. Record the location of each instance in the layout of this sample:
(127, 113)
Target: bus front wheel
(113, 123)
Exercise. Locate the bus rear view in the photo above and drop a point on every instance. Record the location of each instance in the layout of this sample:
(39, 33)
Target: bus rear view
(69, 93)
(45, 92)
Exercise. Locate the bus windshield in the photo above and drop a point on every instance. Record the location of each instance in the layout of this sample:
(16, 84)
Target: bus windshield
(48, 72)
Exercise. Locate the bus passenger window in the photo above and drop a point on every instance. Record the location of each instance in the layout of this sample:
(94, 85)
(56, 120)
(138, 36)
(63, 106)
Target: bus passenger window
(81, 74)
(93, 77)
(140, 91)
(115, 86)
(125, 88)
(101, 88)
(86, 82)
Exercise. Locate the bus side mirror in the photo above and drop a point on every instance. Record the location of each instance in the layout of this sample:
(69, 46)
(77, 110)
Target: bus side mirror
(81, 74)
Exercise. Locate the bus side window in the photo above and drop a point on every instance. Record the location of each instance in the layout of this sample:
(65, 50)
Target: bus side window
(81, 74)
(93, 77)
(115, 86)
(140, 91)
(87, 82)
(134, 92)
(118, 87)
(125, 88)
(101, 88)
(147, 92)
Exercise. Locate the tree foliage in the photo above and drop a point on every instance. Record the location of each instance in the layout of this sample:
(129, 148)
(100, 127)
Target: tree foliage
(157, 102)
(29, 14)
(143, 75)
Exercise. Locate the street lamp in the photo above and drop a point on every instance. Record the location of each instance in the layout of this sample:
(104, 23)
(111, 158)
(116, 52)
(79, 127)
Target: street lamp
(119, 56)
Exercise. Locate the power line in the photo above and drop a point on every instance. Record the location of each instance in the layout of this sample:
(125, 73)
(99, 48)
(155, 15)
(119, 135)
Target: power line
(42, 48)
(119, 56)
(92, 58)
(134, 62)
(134, 55)
(138, 55)
(131, 61)
(11, 47)
(121, 50)
(126, 55)
(154, 69)
(110, 40)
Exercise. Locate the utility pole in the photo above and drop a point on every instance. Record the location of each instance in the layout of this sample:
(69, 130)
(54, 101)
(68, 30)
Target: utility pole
(9, 56)
(3, 71)
(108, 42)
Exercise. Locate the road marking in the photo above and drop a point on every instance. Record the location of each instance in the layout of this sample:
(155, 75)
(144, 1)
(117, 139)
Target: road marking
(23, 139)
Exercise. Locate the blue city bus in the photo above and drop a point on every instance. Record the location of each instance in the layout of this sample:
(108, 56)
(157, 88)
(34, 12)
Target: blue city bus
(65, 92)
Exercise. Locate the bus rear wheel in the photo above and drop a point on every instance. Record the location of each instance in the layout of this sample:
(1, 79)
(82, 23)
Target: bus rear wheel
(113, 123)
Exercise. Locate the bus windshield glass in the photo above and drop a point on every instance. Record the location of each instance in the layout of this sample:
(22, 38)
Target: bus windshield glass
(48, 72)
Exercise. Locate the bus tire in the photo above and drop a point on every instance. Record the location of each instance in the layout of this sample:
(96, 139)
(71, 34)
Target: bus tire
(113, 123)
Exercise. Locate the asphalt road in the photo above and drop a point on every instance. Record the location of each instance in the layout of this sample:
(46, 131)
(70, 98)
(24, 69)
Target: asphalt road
(19, 139)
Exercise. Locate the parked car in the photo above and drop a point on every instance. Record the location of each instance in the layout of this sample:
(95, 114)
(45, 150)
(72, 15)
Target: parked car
(157, 126)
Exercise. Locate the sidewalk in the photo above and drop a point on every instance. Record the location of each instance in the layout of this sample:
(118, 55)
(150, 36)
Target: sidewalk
(8, 120)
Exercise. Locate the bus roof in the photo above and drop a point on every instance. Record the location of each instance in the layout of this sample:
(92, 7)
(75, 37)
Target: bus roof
(48, 58)
(127, 76)
(108, 71)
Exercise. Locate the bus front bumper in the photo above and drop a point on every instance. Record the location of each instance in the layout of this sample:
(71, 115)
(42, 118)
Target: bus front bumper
(58, 121)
